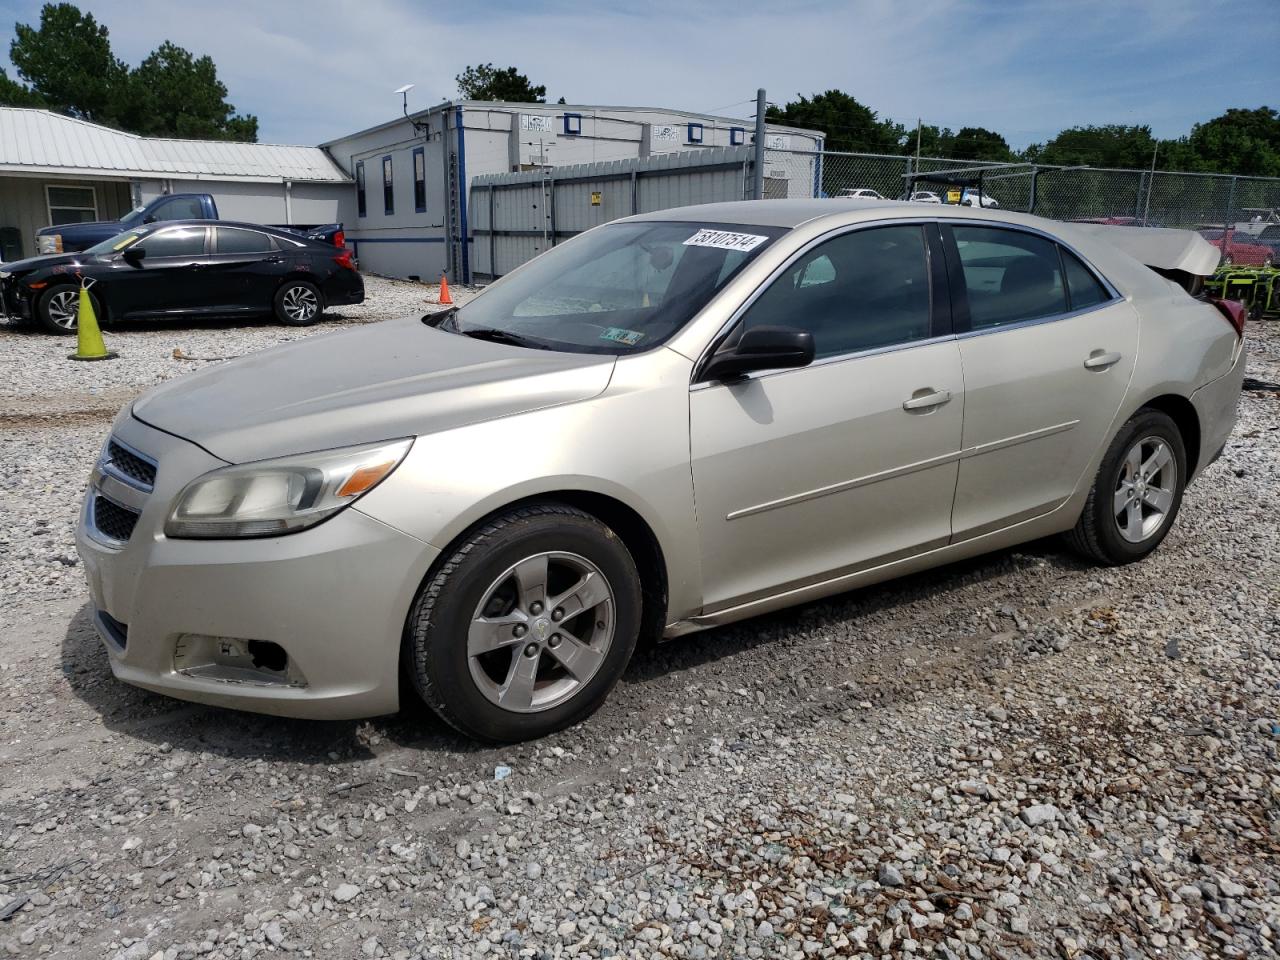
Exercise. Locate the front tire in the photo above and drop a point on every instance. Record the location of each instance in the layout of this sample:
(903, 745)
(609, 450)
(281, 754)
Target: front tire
(58, 309)
(1137, 493)
(298, 303)
(526, 627)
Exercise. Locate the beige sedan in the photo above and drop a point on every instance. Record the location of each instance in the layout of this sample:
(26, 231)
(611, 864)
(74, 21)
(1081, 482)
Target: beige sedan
(671, 422)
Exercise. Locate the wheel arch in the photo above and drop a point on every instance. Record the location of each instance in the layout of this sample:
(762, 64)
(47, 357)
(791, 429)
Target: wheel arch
(635, 532)
(1184, 416)
(59, 281)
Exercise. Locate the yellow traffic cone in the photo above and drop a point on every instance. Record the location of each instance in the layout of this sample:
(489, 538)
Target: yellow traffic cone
(89, 343)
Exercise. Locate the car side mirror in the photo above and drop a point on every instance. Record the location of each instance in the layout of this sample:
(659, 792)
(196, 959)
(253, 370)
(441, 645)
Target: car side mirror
(762, 348)
(149, 218)
(135, 255)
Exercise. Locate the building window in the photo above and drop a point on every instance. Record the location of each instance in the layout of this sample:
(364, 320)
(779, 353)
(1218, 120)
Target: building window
(573, 124)
(71, 204)
(695, 133)
(737, 136)
(388, 188)
(419, 180)
(361, 208)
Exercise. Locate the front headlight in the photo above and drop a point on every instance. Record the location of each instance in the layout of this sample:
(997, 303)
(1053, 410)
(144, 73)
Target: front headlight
(273, 497)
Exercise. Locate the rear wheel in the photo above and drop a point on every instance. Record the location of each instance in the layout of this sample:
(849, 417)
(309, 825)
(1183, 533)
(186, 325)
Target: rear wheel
(58, 310)
(298, 303)
(527, 626)
(1136, 494)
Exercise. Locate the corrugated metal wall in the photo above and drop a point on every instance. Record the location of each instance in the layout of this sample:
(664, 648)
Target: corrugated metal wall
(515, 216)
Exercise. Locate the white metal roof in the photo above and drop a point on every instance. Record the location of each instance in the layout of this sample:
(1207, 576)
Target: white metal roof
(38, 141)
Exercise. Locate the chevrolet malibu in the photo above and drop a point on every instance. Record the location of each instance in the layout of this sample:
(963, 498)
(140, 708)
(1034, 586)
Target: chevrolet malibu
(671, 422)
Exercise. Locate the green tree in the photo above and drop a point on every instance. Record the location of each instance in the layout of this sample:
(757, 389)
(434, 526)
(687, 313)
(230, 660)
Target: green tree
(67, 62)
(15, 94)
(1245, 142)
(487, 82)
(1111, 145)
(845, 123)
(67, 65)
(979, 143)
(175, 94)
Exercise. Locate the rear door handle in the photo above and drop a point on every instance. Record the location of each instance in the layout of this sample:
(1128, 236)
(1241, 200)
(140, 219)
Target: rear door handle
(929, 400)
(1100, 361)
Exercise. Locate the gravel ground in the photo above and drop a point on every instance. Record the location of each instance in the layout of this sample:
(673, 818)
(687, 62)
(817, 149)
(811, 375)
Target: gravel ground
(1017, 756)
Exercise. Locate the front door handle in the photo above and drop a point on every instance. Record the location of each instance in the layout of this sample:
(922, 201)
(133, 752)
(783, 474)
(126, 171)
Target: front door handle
(927, 401)
(1100, 361)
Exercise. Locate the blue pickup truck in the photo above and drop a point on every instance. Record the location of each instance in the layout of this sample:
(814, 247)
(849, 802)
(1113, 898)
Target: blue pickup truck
(74, 237)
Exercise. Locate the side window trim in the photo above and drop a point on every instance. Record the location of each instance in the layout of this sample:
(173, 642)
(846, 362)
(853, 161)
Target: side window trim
(960, 291)
(936, 303)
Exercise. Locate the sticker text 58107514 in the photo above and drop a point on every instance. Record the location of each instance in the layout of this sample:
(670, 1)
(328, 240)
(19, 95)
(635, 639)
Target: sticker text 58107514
(725, 240)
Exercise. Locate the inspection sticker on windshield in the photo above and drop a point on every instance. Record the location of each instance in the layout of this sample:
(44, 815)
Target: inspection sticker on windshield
(724, 240)
(626, 337)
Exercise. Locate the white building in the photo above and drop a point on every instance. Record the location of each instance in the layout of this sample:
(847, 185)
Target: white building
(412, 174)
(57, 169)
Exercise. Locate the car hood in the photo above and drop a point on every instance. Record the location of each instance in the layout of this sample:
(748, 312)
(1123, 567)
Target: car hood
(44, 263)
(393, 379)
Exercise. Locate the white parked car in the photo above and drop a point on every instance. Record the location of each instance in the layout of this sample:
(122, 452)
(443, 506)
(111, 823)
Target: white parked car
(976, 198)
(668, 423)
(861, 193)
(925, 196)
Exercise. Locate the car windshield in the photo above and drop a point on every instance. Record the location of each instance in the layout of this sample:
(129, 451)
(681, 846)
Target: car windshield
(621, 288)
(116, 244)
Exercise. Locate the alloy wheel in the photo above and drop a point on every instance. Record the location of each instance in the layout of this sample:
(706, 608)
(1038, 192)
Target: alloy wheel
(300, 304)
(1145, 490)
(541, 631)
(64, 308)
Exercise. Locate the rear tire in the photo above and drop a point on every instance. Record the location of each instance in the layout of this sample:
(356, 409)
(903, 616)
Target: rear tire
(526, 627)
(1137, 493)
(57, 310)
(298, 303)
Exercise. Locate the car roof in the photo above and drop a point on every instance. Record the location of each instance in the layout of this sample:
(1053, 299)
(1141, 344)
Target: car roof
(837, 210)
(259, 227)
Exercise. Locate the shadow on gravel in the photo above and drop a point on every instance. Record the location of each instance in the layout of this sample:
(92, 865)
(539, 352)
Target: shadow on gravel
(233, 734)
(126, 327)
(821, 616)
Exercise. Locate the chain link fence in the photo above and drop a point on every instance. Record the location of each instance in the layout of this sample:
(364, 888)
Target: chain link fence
(1245, 205)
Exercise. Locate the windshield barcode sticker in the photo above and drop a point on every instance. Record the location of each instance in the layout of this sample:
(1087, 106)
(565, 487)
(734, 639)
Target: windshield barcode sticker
(724, 240)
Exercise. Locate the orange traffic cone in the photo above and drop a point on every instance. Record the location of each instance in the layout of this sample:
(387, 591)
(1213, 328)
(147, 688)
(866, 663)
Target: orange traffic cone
(444, 290)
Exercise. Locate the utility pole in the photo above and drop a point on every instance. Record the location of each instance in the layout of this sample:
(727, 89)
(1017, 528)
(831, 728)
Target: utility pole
(1151, 185)
(757, 180)
(919, 120)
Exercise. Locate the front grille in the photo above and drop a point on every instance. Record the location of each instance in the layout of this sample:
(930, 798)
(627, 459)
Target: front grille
(113, 520)
(131, 465)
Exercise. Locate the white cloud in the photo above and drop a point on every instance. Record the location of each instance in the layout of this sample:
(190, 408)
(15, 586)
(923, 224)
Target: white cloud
(316, 70)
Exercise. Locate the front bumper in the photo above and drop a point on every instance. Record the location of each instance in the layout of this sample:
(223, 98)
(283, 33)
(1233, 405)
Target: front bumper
(334, 597)
(13, 300)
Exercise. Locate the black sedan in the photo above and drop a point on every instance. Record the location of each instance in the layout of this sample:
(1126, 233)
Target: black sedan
(185, 268)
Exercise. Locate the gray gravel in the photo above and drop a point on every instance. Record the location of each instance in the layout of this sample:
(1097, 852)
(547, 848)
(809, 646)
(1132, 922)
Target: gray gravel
(1017, 756)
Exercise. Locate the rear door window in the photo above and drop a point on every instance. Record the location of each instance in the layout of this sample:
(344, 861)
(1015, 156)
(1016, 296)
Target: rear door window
(174, 242)
(1085, 289)
(1010, 276)
(235, 240)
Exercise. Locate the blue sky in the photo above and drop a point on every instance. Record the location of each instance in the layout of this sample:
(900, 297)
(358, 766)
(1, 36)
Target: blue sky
(315, 70)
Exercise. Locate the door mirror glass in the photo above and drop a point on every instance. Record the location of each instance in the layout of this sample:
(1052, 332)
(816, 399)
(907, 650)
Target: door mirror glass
(762, 348)
(135, 255)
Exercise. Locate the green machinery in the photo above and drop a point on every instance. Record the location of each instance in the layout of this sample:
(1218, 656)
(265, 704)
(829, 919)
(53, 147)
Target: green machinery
(1258, 288)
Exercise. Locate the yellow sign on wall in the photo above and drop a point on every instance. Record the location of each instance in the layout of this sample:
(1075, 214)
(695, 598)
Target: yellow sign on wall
(595, 198)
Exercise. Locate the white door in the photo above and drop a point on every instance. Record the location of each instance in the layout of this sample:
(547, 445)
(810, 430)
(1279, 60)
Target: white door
(1047, 360)
(804, 474)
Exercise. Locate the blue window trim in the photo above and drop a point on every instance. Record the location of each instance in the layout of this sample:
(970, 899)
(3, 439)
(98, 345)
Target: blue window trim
(419, 207)
(737, 136)
(694, 134)
(388, 195)
(362, 207)
(573, 124)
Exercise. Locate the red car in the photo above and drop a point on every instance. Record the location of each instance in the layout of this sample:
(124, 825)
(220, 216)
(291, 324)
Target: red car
(1239, 251)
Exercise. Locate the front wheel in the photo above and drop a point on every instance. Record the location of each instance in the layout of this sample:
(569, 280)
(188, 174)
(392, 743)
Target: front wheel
(58, 310)
(298, 303)
(1136, 494)
(526, 626)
